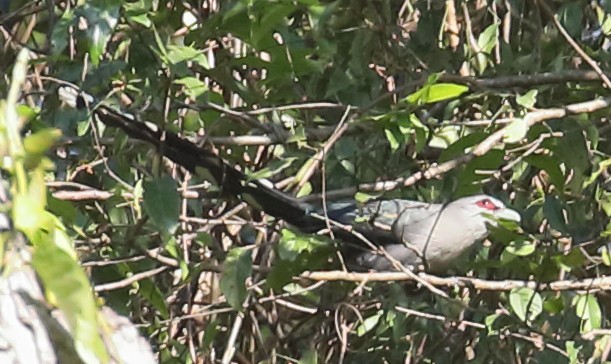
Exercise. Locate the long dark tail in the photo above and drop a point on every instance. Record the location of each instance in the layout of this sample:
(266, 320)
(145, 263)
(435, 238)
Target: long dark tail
(197, 160)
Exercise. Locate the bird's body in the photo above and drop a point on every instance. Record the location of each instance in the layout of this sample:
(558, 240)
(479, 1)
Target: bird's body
(419, 234)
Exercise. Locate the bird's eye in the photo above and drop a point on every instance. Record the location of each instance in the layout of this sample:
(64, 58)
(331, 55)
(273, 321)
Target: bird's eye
(487, 204)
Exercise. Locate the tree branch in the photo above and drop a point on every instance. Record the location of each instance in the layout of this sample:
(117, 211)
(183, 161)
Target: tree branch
(600, 283)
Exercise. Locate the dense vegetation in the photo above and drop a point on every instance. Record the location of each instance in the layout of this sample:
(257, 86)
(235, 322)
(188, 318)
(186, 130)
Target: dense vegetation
(439, 99)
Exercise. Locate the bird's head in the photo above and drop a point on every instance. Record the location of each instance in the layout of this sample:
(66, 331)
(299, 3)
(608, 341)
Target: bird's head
(484, 209)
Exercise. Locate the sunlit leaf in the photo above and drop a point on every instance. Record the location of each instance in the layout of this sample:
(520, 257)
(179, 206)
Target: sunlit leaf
(437, 92)
(527, 100)
(516, 131)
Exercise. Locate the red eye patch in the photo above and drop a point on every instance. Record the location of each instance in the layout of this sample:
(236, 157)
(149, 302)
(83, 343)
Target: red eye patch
(487, 204)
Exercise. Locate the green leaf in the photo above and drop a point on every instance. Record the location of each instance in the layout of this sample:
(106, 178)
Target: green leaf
(148, 290)
(162, 203)
(236, 269)
(554, 305)
(29, 214)
(68, 287)
(137, 12)
(527, 100)
(310, 357)
(525, 303)
(571, 16)
(369, 323)
(362, 197)
(488, 38)
(194, 87)
(521, 248)
(274, 14)
(102, 17)
(605, 254)
(553, 210)
(489, 321)
(37, 144)
(588, 310)
(394, 138)
(573, 351)
(515, 132)
(550, 165)
(177, 54)
(292, 244)
(437, 92)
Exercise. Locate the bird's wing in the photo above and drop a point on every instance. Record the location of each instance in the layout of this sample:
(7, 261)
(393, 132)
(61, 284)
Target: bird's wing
(381, 221)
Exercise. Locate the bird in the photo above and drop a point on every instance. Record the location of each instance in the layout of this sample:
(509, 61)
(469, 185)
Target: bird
(417, 234)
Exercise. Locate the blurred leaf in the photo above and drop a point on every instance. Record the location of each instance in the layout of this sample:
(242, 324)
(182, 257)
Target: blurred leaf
(29, 214)
(605, 254)
(37, 144)
(151, 292)
(137, 11)
(310, 357)
(162, 203)
(66, 282)
(525, 303)
(236, 269)
(573, 259)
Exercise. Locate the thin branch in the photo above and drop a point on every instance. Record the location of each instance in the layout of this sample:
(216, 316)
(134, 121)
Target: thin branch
(482, 148)
(315, 161)
(129, 281)
(600, 283)
(303, 106)
(536, 341)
